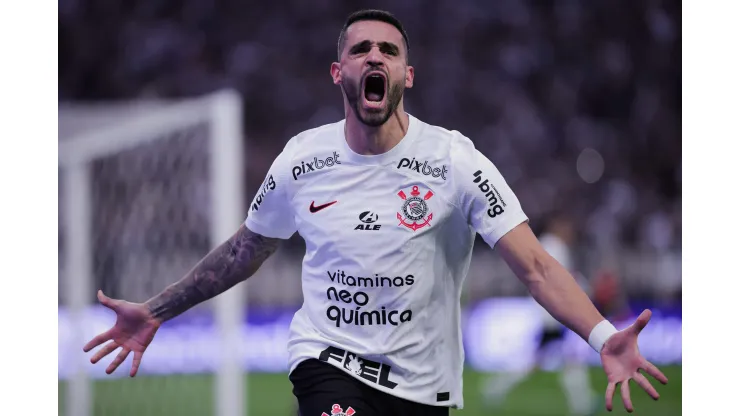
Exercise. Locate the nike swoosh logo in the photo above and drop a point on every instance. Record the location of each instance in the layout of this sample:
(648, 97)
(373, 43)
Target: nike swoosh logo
(315, 209)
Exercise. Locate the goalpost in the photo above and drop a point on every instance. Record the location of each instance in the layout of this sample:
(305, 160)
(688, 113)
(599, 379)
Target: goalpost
(145, 191)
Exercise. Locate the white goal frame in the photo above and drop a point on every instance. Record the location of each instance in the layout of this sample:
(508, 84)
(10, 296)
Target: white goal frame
(223, 113)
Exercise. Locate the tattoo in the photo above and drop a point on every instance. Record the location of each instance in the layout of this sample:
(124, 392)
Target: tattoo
(227, 265)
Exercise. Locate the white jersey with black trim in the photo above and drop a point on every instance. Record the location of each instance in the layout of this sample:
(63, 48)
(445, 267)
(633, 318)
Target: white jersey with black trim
(389, 240)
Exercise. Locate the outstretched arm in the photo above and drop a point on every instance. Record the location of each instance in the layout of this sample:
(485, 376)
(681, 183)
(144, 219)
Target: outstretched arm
(136, 323)
(232, 262)
(551, 285)
(228, 264)
(494, 211)
(557, 291)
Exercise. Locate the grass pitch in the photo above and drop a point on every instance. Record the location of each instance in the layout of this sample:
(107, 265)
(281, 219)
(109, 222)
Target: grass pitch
(270, 394)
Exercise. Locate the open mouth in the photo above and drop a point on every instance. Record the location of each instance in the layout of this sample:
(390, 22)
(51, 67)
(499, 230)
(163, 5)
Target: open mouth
(374, 88)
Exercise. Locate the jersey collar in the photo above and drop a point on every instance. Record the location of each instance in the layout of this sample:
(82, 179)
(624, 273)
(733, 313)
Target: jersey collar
(383, 158)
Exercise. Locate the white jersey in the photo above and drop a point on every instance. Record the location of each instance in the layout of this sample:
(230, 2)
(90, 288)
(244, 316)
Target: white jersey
(389, 239)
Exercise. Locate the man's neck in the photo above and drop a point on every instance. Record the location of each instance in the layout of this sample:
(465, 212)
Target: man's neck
(368, 140)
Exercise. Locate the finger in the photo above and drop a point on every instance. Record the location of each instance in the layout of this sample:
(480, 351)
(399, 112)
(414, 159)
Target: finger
(626, 396)
(137, 362)
(610, 388)
(642, 321)
(645, 384)
(120, 358)
(109, 348)
(99, 339)
(653, 371)
(106, 301)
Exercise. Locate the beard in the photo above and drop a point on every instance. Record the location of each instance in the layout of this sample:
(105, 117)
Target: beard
(372, 117)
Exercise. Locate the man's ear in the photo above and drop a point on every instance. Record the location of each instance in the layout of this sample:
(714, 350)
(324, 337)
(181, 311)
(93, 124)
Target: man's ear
(409, 76)
(336, 73)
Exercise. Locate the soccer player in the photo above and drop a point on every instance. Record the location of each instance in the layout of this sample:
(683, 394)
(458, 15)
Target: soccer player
(388, 207)
(557, 239)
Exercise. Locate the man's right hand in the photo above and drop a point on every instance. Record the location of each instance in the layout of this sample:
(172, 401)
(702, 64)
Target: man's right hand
(133, 331)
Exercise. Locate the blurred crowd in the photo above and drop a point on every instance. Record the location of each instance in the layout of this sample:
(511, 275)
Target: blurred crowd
(577, 102)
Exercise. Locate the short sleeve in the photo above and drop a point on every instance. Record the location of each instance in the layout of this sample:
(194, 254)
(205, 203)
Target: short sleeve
(484, 197)
(271, 212)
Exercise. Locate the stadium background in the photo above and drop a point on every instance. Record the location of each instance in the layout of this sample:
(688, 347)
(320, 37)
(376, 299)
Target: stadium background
(577, 103)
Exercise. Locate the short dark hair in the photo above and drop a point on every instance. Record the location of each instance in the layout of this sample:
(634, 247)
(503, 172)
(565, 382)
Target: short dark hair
(371, 14)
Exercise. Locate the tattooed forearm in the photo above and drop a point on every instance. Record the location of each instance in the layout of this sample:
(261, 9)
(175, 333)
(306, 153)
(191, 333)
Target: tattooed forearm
(228, 264)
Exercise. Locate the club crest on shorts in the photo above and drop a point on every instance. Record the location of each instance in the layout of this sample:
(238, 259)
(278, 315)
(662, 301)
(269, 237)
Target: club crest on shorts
(336, 410)
(414, 210)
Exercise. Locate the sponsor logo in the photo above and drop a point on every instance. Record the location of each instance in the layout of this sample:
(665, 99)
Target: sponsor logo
(355, 316)
(315, 164)
(370, 370)
(336, 410)
(267, 186)
(368, 219)
(350, 305)
(370, 281)
(414, 209)
(424, 169)
(314, 209)
(496, 204)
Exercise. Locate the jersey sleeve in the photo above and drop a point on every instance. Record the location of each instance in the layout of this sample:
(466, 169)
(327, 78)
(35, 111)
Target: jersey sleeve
(271, 212)
(484, 197)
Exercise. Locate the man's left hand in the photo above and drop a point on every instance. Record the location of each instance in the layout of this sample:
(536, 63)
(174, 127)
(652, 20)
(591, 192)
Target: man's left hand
(622, 362)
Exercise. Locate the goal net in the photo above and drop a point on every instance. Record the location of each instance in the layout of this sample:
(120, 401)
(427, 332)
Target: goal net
(146, 189)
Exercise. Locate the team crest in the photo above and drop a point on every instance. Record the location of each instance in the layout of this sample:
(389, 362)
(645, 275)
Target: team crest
(414, 211)
(336, 410)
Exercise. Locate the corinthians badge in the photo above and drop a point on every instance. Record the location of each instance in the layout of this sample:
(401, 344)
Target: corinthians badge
(414, 209)
(337, 410)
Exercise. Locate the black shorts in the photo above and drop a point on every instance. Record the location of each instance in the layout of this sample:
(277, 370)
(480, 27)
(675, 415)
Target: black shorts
(321, 388)
(551, 336)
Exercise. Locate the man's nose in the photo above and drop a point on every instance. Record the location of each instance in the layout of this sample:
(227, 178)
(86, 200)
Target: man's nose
(374, 58)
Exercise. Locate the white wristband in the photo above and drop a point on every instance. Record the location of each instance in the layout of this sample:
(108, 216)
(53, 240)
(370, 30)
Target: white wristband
(601, 332)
